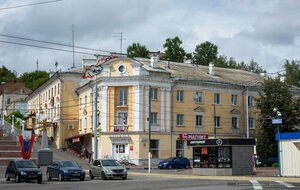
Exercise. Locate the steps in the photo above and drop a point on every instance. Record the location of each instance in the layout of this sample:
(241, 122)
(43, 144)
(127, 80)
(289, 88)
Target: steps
(9, 146)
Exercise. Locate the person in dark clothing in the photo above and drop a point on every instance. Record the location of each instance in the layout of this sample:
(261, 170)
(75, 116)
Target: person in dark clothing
(91, 157)
(86, 153)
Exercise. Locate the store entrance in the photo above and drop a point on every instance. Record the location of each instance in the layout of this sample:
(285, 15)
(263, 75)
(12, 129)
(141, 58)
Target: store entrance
(120, 151)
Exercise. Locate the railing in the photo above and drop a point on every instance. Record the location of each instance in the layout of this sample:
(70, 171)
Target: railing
(120, 128)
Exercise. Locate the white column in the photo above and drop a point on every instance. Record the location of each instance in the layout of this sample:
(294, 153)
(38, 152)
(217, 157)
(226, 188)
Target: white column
(162, 109)
(138, 108)
(168, 109)
(103, 112)
(146, 107)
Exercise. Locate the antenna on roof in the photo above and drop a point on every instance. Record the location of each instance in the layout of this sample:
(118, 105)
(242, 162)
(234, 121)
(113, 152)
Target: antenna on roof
(119, 35)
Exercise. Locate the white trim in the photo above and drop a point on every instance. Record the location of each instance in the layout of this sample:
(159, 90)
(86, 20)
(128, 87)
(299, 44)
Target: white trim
(162, 109)
(168, 110)
(146, 107)
(138, 106)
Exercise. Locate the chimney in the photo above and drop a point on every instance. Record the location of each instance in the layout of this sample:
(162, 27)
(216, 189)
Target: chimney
(211, 69)
(154, 59)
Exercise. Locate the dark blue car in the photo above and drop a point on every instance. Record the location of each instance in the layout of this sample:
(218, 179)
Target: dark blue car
(175, 162)
(65, 170)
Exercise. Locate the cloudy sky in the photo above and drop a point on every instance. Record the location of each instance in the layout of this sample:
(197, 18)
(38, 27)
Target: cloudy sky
(263, 30)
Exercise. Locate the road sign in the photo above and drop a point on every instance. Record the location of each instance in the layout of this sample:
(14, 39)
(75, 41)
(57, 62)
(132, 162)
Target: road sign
(276, 121)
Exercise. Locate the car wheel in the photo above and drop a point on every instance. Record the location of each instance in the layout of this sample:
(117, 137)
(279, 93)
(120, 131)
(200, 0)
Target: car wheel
(48, 176)
(91, 175)
(60, 177)
(187, 166)
(103, 177)
(39, 181)
(82, 179)
(124, 178)
(6, 177)
(169, 167)
(18, 178)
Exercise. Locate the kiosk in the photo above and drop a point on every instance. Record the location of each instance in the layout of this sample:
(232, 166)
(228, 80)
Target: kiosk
(223, 156)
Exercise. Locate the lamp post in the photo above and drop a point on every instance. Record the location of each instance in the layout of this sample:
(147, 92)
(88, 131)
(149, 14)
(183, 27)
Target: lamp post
(277, 121)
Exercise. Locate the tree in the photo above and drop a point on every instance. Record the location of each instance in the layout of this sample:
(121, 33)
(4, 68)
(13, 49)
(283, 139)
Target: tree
(273, 94)
(34, 79)
(292, 69)
(137, 50)
(6, 75)
(173, 50)
(254, 67)
(205, 53)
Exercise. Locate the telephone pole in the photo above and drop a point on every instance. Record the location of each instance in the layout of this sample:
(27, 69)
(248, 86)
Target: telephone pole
(149, 131)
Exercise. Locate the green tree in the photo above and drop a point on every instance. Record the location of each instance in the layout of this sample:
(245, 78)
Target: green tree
(34, 79)
(205, 53)
(292, 69)
(173, 50)
(254, 67)
(6, 75)
(137, 50)
(273, 94)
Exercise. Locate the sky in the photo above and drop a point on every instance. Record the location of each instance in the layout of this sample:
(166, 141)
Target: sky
(267, 31)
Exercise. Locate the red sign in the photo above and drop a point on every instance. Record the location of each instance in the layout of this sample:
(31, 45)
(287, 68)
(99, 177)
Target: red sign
(131, 147)
(204, 151)
(192, 136)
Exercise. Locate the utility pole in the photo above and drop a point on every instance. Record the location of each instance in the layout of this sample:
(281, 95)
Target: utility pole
(149, 128)
(37, 65)
(95, 120)
(247, 112)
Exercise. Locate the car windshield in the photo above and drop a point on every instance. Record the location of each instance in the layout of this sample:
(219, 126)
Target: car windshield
(109, 163)
(25, 164)
(68, 164)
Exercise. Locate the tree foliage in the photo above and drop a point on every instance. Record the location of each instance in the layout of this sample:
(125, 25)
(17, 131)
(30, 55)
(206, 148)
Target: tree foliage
(6, 75)
(292, 69)
(34, 79)
(273, 94)
(205, 53)
(137, 50)
(173, 50)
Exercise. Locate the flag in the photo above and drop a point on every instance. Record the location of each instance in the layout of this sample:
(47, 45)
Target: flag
(26, 146)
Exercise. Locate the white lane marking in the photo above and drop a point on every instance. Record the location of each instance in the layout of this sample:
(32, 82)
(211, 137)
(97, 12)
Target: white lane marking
(285, 184)
(255, 184)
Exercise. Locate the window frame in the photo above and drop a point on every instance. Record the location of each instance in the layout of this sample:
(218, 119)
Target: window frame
(180, 120)
(154, 94)
(250, 101)
(123, 96)
(180, 149)
(234, 99)
(202, 118)
(217, 98)
(180, 95)
(197, 98)
(251, 119)
(155, 149)
(153, 117)
(235, 121)
(217, 122)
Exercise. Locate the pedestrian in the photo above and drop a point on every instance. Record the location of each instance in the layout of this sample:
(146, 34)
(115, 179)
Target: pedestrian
(86, 153)
(254, 160)
(91, 157)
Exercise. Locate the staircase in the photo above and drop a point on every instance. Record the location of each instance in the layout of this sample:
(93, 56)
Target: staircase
(9, 146)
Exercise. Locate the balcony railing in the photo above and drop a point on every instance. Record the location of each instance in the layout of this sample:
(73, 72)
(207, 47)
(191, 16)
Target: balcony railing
(120, 128)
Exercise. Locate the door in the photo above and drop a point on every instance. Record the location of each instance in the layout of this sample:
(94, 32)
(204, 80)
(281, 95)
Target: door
(96, 169)
(120, 151)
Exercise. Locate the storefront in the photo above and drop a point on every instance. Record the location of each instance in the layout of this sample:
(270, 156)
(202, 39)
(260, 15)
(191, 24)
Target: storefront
(222, 156)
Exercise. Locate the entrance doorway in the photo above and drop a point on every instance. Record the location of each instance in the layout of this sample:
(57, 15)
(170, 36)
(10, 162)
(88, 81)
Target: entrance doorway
(120, 151)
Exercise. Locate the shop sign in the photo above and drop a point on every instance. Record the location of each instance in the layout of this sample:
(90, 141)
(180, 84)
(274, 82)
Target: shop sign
(119, 136)
(220, 142)
(131, 147)
(192, 136)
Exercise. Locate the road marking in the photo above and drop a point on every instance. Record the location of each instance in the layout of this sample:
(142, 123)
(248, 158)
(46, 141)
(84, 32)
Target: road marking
(255, 184)
(285, 184)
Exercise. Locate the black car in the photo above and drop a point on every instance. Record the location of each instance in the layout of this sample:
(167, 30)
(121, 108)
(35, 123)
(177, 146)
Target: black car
(174, 162)
(65, 169)
(23, 170)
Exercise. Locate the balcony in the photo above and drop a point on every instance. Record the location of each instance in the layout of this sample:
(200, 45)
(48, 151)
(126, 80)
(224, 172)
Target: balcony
(120, 128)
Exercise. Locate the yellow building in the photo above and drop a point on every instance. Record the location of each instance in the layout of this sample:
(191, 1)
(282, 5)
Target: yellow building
(187, 101)
(56, 103)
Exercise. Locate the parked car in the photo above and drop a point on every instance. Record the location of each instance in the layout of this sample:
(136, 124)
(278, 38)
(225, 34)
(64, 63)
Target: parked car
(267, 162)
(23, 170)
(107, 168)
(175, 162)
(65, 169)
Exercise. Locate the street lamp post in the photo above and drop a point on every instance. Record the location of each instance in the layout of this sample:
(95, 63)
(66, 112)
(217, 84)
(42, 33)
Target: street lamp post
(277, 121)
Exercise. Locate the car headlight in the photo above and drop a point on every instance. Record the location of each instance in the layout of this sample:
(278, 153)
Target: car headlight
(40, 173)
(23, 173)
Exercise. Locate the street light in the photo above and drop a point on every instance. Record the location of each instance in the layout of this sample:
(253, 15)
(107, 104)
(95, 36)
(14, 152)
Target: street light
(277, 121)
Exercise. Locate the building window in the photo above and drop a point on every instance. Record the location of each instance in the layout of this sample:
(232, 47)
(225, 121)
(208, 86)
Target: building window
(153, 118)
(154, 148)
(123, 96)
(199, 120)
(179, 148)
(250, 101)
(80, 103)
(217, 98)
(80, 124)
(85, 101)
(85, 123)
(179, 95)
(218, 122)
(57, 88)
(54, 90)
(234, 100)
(91, 127)
(153, 94)
(234, 122)
(122, 118)
(8, 101)
(198, 97)
(180, 118)
(251, 123)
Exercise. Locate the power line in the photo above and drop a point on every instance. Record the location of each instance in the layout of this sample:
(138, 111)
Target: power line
(53, 43)
(27, 5)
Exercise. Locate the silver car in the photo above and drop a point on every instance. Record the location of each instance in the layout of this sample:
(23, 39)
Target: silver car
(107, 168)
